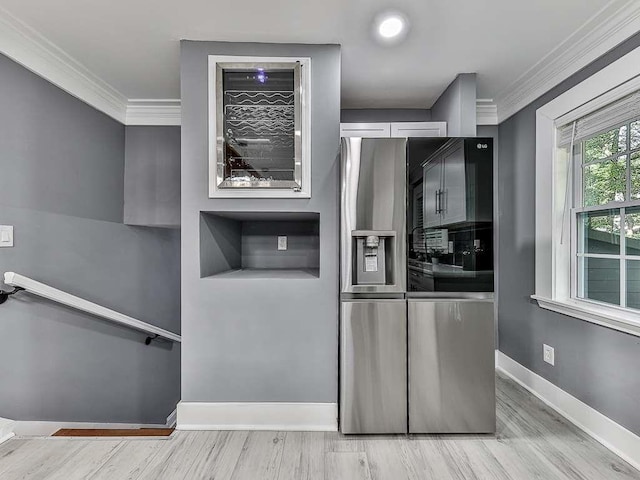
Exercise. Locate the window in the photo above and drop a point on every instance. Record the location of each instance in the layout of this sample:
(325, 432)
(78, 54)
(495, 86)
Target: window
(607, 216)
(587, 246)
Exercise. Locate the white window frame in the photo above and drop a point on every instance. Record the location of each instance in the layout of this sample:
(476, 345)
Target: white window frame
(554, 285)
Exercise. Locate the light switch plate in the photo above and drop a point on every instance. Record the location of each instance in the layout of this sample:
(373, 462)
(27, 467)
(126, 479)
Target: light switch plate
(6, 236)
(282, 242)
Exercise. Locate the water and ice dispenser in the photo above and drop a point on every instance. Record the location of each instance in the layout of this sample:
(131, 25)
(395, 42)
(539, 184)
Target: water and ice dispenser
(373, 257)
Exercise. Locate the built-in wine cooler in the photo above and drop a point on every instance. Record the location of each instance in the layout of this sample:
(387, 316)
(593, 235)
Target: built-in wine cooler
(259, 127)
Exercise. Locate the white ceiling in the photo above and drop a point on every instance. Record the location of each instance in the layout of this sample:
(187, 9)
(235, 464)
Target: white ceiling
(134, 45)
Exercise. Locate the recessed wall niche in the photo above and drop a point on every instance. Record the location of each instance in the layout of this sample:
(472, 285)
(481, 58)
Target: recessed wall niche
(245, 245)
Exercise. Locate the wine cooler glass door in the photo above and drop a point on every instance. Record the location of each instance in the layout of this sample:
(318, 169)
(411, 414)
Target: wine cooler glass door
(259, 144)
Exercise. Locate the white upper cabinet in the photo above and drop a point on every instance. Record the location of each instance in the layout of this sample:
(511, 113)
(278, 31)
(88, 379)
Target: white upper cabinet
(458, 184)
(432, 185)
(394, 130)
(259, 127)
(418, 129)
(369, 130)
(444, 180)
(454, 194)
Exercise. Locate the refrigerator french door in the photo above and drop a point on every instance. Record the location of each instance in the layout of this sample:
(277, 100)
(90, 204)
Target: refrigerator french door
(373, 381)
(451, 366)
(451, 332)
(373, 329)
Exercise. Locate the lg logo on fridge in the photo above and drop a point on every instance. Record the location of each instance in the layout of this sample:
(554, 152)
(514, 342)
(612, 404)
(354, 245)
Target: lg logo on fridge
(483, 146)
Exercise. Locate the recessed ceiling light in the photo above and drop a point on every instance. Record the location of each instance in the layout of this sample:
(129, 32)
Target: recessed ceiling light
(390, 27)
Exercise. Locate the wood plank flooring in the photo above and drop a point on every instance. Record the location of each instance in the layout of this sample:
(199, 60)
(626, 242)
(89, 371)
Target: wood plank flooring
(533, 442)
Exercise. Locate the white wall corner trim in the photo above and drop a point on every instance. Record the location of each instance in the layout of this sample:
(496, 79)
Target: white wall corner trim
(615, 437)
(612, 25)
(486, 112)
(153, 112)
(6, 429)
(321, 417)
(172, 419)
(24, 45)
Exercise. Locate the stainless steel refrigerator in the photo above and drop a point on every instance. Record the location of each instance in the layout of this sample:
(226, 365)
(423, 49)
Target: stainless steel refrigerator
(416, 326)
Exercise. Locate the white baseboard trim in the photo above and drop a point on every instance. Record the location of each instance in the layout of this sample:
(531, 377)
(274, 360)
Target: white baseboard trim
(172, 419)
(612, 435)
(45, 429)
(317, 417)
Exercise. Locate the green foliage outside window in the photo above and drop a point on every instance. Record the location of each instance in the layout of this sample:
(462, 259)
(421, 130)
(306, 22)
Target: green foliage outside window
(605, 180)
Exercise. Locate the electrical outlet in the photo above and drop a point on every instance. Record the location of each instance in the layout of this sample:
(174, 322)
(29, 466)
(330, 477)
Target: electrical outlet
(282, 242)
(548, 354)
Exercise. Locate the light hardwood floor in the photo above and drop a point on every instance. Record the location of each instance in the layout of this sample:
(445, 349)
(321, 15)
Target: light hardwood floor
(532, 442)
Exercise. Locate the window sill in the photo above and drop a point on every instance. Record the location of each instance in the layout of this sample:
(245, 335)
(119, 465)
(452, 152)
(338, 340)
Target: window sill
(606, 317)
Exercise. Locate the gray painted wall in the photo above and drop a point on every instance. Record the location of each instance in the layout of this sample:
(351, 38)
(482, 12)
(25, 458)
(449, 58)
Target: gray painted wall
(593, 363)
(152, 176)
(250, 340)
(457, 106)
(234, 243)
(220, 244)
(61, 186)
(366, 115)
(50, 141)
(260, 245)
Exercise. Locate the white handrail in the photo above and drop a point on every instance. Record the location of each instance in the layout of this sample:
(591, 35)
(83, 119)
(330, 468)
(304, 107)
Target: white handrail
(50, 293)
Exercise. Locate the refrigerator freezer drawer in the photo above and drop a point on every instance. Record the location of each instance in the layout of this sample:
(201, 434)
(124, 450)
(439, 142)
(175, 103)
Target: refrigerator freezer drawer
(451, 366)
(373, 367)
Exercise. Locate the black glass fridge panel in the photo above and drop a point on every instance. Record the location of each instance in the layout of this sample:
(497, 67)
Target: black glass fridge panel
(450, 215)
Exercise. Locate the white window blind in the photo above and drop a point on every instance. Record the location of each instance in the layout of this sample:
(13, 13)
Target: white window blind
(624, 110)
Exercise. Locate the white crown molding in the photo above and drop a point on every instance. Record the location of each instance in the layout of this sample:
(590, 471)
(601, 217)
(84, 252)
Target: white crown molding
(611, 26)
(486, 112)
(153, 112)
(27, 47)
(321, 417)
(168, 112)
(33, 51)
(612, 435)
